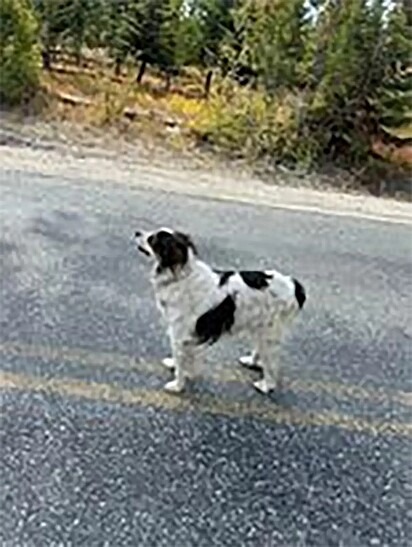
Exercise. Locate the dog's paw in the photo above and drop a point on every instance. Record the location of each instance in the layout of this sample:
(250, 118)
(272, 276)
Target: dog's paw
(263, 386)
(249, 361)
(168, 362)
(174, 386)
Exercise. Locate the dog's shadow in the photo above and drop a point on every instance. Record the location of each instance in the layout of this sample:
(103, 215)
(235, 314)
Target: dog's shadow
(199, 387)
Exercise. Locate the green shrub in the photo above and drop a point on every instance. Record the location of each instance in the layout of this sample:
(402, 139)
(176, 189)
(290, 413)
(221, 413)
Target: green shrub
(19, 51)
(251, 124)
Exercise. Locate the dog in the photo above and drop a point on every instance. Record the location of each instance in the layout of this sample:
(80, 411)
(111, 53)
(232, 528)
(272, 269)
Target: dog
(201, 305)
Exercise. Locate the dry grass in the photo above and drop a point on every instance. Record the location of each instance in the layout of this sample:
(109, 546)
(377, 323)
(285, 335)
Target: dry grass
(102, 99)
(234, 118)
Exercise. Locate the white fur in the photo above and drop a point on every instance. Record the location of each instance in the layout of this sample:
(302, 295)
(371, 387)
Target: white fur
(187, 293)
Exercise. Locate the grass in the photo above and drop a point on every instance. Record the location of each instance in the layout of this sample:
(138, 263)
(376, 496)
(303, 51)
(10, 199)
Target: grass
(234, 118)
(237, 121)
(151, 108)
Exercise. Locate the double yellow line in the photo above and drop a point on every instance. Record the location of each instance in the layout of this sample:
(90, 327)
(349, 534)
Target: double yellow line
(203, 404)
(227, 374)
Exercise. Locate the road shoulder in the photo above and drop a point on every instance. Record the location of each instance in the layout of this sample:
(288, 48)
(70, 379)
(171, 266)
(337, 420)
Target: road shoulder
(135, 167)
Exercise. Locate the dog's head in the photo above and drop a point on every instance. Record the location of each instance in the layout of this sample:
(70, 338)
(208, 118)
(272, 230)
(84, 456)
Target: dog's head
(171, 249)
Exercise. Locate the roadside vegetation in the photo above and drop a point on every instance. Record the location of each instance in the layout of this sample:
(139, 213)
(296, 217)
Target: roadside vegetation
(302, 84)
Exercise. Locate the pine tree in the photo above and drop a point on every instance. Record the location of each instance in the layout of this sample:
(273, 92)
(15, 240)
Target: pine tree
(115, 31)
(268, 41)
(52, 28)
(169, 53)
(348, 69)
(72, 23)
(395, 92)
(213, 21)
(82, 28)
(19, 51)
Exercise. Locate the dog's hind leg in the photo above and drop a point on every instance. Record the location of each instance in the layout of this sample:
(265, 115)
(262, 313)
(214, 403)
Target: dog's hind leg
(266, 335)
(251, 361)
(269, 350)
(270, 368)
(269, 346)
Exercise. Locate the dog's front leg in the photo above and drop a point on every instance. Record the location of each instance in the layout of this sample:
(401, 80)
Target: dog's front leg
(182, 361)
(169, 362)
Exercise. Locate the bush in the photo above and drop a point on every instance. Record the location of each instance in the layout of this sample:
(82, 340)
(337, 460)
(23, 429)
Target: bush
(354, 88)
(19, 51)
(251, 124)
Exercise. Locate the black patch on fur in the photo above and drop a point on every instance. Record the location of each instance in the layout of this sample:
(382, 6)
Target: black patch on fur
(300, 293)
(211, 325)
(255, 279)
(224, 276)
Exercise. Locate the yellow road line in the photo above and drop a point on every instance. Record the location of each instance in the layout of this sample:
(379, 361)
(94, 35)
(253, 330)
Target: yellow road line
(200, 404)
(228, 374)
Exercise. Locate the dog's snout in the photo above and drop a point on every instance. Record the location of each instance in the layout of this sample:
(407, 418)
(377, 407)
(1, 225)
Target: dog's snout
(138, 234)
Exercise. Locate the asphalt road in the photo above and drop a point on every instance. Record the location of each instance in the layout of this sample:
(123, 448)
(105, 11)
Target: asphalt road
(94, 453)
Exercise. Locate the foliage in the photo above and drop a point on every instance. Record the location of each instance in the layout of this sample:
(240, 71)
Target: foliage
(116, 30)
(214, 19)
(303, 81)
(70, 23)
(345, 108)
(19, 51)
(150, 31)
(256, 128)
(268, 40)
(394, 97)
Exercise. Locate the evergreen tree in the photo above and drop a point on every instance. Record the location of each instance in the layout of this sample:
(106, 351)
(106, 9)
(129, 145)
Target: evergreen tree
(19, 51)
(268, 41)
(394, 97)
(214, 21)
(72, 23)
(149, 30)
(53, 25)
(115, 31)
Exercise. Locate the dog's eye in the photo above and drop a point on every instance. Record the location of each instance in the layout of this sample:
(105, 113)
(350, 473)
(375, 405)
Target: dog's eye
(150, 240)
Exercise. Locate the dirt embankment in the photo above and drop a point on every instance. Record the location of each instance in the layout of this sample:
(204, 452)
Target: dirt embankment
(81, 157)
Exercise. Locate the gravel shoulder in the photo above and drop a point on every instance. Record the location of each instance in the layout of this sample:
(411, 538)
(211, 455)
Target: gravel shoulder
(48, 150)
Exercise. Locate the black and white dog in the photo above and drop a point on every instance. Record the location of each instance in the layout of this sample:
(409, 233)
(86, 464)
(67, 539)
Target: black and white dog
(201, 304)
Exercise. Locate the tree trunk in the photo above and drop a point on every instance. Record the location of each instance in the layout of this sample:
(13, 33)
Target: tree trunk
(46, 58)
(141, 72)
(168, 81)
(117, 67)
(208, 83)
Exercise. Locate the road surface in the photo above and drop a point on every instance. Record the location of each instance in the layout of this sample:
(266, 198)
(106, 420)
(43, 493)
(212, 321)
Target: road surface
(93, 452)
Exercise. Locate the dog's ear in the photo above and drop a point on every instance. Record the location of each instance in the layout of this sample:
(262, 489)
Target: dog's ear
(186, 240)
